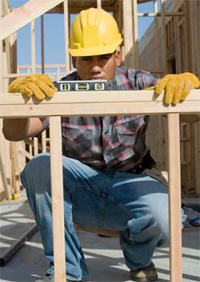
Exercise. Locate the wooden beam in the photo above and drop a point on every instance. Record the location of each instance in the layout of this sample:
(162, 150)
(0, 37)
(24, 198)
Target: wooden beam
(178, 14)
(25, 14)
(129, 57)
(33, 62)
(4, 180)
(42, 43)
(135, 34)
(3, 160)
(157, 35)
(164, 43)
(1, 54)
(95, 103)
(175, 198)
(99, 4)
(14, 75)
(57, 198)
(66, 27)
(39, 66)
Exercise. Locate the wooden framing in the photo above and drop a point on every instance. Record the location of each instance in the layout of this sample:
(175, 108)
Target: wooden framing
(73, 104)
(99, 5)
(173, 20)
(116, 103)
(24, 15)
(182, 19)
(95, 103)
(57, 198)
(42, 42)
(33, 60)
(5, 66)
(156, 35)
(164, 45)
(66, 25)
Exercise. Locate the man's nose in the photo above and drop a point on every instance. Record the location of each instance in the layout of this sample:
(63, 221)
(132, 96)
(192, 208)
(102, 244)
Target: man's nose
(95, 65)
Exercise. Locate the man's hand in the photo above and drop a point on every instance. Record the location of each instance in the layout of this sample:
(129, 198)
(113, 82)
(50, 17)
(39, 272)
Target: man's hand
(176, 86)
(38, 85)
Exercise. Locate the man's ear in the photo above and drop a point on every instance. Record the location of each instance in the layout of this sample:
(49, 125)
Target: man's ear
(118, 57)
(74, 62)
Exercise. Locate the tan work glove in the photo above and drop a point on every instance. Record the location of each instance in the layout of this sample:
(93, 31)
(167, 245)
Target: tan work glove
(176, 86)
(38, 85)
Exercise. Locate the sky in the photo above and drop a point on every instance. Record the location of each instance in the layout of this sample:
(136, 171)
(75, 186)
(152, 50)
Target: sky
(54, 47)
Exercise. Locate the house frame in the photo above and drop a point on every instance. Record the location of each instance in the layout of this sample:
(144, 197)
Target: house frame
(13, 105)
(106, 103)
(14, 155)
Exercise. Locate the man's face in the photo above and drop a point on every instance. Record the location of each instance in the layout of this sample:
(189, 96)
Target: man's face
(96, 67)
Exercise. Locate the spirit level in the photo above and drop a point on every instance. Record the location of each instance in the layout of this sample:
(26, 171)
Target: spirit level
(85, 85)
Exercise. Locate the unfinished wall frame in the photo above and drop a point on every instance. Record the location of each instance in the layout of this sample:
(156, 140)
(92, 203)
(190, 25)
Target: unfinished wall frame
(126, 14)
(98, 103)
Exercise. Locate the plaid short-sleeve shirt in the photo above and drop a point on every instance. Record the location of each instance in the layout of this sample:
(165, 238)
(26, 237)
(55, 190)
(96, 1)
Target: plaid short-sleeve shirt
(109, 142)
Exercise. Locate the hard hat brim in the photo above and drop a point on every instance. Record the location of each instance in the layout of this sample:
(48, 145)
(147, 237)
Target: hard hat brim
(95, 51)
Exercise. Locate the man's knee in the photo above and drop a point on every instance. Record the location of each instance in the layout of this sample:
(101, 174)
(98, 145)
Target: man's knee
(36, 171)
(159, 211)
(152, 216)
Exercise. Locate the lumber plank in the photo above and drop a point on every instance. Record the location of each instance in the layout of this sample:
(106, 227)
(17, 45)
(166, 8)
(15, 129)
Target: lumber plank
(157, 35)
(99, 4)
(42, 43)
(164, 47)
(174, 198)
(33, 51)
(129, 57)
(25, 14)
(95, 103)
(135, 34)
(66, 27)
(57, 199)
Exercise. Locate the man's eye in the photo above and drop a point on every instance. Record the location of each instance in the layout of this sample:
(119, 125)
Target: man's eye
(85, 59)
(105, 57)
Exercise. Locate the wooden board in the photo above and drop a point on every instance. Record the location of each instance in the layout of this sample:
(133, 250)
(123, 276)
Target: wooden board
(24, 15)
(95, 103)
(175, 198)
(57, 199)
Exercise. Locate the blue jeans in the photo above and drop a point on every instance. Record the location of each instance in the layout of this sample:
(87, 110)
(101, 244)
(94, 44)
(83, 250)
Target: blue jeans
(135, 204)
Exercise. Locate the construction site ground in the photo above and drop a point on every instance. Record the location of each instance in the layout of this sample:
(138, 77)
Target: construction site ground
(104, 257)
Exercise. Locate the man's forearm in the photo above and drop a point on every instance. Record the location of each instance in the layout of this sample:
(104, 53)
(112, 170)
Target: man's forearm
(20, 129)
(15, 129)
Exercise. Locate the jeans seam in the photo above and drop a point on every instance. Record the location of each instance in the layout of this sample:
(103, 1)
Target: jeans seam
(104, 195)
(109, 198)
(120, 206)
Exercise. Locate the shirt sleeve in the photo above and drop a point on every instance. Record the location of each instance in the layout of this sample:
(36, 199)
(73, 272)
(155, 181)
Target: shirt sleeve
(142, 79)
(45, 122)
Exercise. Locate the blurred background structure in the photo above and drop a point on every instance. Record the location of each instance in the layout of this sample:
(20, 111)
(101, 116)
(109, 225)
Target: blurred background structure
(170, 44)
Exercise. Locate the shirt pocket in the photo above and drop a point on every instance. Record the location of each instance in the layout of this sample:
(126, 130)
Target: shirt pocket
(77, 141)
(127, 130)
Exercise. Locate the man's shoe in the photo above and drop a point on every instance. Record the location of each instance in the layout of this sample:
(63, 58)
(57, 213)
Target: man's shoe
(46, 278)
(145, 274)
(50, 278)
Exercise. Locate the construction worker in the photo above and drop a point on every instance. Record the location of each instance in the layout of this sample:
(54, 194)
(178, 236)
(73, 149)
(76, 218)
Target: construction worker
(103, 157)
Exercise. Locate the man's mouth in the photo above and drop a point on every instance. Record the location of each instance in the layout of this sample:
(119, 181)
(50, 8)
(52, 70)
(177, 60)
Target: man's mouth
(96, 77)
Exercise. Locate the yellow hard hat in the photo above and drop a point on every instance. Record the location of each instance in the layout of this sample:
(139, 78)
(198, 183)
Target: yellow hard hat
(94, 32)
